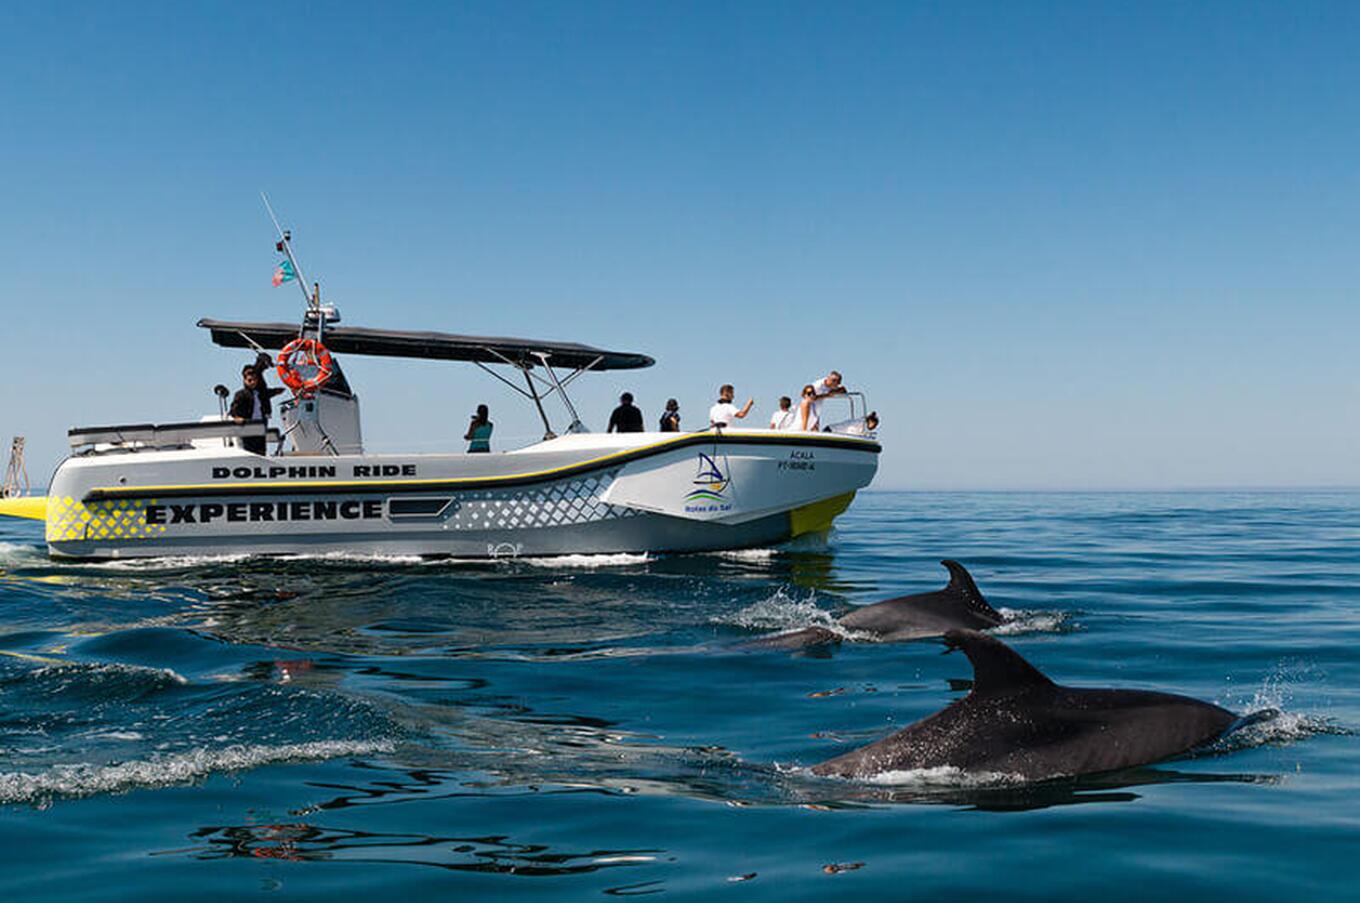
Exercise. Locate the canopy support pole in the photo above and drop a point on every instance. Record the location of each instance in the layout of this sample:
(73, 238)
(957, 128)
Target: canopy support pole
(503, 379)
(533, 393)
(579, 370)
(560, 385)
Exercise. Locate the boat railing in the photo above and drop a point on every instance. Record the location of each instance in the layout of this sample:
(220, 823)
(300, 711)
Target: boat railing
(133, 437)
(855, 423)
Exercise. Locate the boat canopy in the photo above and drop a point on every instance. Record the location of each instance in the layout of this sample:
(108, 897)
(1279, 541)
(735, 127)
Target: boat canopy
(444, 346)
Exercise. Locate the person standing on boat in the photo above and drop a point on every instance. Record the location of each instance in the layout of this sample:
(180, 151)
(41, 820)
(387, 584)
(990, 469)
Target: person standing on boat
(824, 388)
(784, 418)
(670, 419)
(251, 402)
(724, 412)
(809, 417)
(626, 418)
(479, 431)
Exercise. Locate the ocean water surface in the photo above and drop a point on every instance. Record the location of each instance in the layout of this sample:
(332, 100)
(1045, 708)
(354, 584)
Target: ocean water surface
(338, 728)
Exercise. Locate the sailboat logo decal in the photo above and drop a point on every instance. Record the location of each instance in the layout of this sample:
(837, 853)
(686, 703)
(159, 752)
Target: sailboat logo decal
(709, 483)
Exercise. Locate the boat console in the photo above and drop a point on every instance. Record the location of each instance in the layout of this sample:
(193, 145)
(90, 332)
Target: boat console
(326, 423)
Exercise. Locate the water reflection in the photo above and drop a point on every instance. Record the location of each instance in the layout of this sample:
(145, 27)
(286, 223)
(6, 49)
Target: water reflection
(717, 776)
(450, 608)
(304, 841)
(1027, 797)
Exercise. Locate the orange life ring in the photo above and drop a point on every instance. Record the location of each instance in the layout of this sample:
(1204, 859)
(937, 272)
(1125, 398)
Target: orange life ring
(313, 356)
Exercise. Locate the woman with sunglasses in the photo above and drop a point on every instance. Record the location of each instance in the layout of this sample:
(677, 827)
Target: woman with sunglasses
(807, 410)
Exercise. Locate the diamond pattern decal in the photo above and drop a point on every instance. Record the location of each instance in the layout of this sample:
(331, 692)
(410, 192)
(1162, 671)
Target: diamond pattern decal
(71, 519)
(558, 504)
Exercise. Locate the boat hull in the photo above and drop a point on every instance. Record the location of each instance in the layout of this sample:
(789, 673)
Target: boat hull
(576, 495)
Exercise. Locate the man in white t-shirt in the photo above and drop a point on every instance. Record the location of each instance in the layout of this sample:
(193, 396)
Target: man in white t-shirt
(784, 418)
(826, 387)
(724, 412)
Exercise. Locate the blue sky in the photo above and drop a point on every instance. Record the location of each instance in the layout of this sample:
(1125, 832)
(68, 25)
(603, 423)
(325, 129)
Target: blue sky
(1059, 245)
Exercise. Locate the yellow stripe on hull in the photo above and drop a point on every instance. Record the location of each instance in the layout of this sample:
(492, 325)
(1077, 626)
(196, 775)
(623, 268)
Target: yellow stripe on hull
(817, 517)
(31, 507)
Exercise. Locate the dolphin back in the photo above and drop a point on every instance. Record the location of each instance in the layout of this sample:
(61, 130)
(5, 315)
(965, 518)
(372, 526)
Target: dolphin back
(1018, 722)
(807, 638)
(998, 670)
(931, 614)
(961, 584)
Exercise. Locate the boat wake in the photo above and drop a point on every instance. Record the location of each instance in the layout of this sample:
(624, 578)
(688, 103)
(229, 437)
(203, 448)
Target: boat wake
(82, 779)
(104, 681)
(14, 555)
(21, 554)
(175, 563)
(588, 562)
(75, 728)
(750, 556)
(782, 613)
(1021, 621)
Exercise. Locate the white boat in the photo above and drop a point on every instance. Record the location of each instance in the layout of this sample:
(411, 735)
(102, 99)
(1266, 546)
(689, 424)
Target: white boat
(141, 490)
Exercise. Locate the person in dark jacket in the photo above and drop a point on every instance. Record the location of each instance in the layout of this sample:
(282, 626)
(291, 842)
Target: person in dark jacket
(251, 402)
(626, 418)
(670, 420)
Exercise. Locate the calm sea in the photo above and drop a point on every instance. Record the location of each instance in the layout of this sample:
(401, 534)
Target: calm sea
(358, 729)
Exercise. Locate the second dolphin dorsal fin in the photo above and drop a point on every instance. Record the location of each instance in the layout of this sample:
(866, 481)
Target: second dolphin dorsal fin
(961, 584)
(998, 670)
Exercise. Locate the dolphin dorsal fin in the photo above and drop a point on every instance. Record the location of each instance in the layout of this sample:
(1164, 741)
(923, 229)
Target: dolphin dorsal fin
(998, 670)
(961, 584)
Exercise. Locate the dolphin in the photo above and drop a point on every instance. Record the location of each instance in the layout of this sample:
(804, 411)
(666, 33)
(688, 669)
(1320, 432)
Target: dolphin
(960, 604)
(1017, 722)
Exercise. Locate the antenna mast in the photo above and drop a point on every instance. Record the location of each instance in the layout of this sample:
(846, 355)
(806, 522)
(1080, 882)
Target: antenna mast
(285, 245)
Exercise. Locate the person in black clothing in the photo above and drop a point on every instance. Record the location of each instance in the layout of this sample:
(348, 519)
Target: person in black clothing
(251, 403)
(670, 420)
(626, 418)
